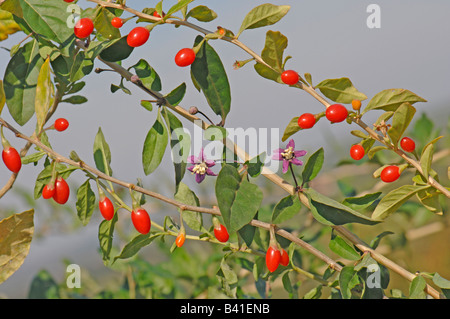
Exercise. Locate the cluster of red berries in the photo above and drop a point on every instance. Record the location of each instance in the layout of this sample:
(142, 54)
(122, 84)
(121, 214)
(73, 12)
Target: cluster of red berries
(220, 232)
(275, 257)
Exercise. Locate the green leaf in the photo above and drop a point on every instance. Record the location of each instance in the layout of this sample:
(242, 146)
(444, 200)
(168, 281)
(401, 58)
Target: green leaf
(178, 6)
(423, 129)
(81, 67)
(371, 153)
(348, 279)
(147, 75)
(340, 90)
(75, 99)
(2, 97)
(202, 13)
(429, 198)
(85, 202)
(102, 153)
(313, 166)
(343, 249)
(374, 243)
(329, 212)
(362, 202)
(285, 209)
(33, 158)
(400, 121)
(209, 74)
(21, 77)
(394, 199)
(154, 145)
(176, 95)
(103, 26)
(272, 54)
(133, 247)
(238, 200)
(43, 286)
(416, 288)
(263, 15)
(441, 282)
(7, 25)
(47, 18)
(105, 238)
(44, 94)
(16, 233)
(117, 50)
(426, 159)
(256, 164)
(391, 99)
(291, 129)
(186, 196)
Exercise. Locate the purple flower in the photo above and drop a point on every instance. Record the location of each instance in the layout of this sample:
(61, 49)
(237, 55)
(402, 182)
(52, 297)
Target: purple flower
(201, 166)
(288, 155)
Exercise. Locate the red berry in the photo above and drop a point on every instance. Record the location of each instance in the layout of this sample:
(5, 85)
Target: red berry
(290, 77)
(48, 191)
(61, 124)
(390, 174)
(156, 14)
(407, 144)
(357, 152)
(185, 57)
(138, 36)
(221, 233)
(12, 160)
(141, 220)
(117, 22)
(69, 0)
(284, 259)
(180, 239)
(306, 120)
(106, 208)
(273, 257)
(83, 28)
(62, 191)
(336, 113)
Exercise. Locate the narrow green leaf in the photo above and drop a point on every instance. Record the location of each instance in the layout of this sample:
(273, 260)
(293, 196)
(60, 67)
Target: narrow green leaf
(44, 94)
(394, 199)
(2, 97)
(374, 243)
(362, 202)
(263, 15)
(441, 282)
(147, 75)
(348, 279)
(16, 233)
(339, 246)
(102, 153)
(374, 150)
(85, 202)
(426, 159)
(176, 95)
(209, 74)
(291, 128)
(340, 90)
(178, 6)
(154, 145)
(313, 166)
(416, 288)
(272, 54)
(81, 67)
(391, 99)
(400, 121)
(202, 13)
(133, 247)
(105, 238)
(33, 158)
(117, 50)
(285, 209)
(75, 99)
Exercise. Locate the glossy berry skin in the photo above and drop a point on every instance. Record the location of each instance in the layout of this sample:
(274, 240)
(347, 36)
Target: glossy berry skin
(48, 191)
(185, 57)
(273, 257)
(137, 37)
(221, 233)
(12, 160)
(179, 241)
(69, 1)
(117, 22)
(83, 28)
(357, 152)
(390, 174)
(336, 113)
(306, 120)
(61, 124)
(284, 259)
(290, 77)
(62, 191)
(407, 144)
(141, 220)
(106, 208)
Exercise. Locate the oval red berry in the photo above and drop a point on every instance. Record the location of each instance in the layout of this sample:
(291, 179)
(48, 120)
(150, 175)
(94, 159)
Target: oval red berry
(306, 120)
(137, 37)
(83, 28)
(117, 22)
(290, 77)
(185, 57)
(141, 221)
(336, 113)
(62, 191)
(179, 241)
(61, 124)
(390, 174)
(12, 159)
(284, 258)
(221, 233)
(407, 144)
(106, 208)
(273, 257)
(357, 152)
(48, 191)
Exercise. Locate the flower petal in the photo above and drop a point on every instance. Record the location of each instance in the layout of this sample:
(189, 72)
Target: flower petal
(296, 161)
(300, 153)
(199, 178)
(210, 163)
(291, 144)
(201, 155)
(210, 172)
(191, 168)
(193, 159)
(285, 166)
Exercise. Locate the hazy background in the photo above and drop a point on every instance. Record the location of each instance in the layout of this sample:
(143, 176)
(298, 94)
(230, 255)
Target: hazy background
(329, 39)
